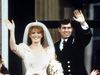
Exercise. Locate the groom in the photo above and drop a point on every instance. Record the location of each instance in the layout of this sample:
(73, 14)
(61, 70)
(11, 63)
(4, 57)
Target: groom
(69, 49)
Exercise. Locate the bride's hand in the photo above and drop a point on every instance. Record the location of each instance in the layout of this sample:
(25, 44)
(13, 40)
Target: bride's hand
(10, 25)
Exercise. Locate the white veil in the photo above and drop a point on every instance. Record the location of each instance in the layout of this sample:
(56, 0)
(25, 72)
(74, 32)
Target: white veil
(47, 38)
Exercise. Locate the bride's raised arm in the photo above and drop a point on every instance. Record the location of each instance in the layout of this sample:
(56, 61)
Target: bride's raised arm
(11, 28)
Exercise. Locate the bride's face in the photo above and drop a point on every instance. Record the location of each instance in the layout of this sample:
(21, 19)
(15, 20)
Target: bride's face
(36, 35)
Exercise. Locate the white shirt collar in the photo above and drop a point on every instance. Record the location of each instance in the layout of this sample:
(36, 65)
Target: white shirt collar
(61, 43)
(63, 40)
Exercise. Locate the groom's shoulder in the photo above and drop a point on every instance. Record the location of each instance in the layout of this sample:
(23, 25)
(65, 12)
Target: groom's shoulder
(56, 42)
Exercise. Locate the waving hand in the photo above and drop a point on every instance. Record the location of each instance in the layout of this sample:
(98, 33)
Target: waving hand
(79, 17)
(10, 25)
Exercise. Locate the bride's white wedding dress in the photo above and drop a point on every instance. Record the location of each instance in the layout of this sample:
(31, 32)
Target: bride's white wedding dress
(34, 64)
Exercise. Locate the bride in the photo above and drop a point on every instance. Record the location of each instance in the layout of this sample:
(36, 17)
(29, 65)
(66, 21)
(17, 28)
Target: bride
(37, 49)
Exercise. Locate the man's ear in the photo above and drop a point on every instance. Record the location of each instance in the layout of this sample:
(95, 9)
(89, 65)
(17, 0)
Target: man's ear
(59, 29)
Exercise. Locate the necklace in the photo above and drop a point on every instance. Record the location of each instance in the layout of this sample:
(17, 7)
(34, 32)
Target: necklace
(38, 51)
(37, 48)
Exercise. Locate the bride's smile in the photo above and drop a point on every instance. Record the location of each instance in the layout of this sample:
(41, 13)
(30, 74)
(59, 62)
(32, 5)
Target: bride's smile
(35, 35)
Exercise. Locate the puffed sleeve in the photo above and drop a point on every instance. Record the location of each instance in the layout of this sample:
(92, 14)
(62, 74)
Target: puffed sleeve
(22, 50)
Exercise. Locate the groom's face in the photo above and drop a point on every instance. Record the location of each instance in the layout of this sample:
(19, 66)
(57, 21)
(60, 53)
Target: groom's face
(65, 30)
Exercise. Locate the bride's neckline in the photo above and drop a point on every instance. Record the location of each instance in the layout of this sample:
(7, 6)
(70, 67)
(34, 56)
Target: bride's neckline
(36, 52)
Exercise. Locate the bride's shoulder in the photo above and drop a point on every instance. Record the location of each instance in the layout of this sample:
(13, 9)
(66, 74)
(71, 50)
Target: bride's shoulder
(49, 49)
(25, 46)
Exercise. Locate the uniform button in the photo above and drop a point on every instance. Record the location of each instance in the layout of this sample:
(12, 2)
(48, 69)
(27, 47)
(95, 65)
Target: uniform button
(69, 70)
(68, 62)
(68, 66)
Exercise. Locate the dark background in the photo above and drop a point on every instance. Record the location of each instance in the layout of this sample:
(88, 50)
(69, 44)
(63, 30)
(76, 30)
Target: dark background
(22, 12)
